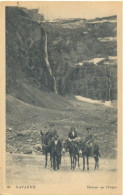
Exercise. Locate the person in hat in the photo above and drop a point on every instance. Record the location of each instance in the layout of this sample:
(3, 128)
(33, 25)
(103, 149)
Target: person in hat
(56, 149)
(72, 134)
(89, 136)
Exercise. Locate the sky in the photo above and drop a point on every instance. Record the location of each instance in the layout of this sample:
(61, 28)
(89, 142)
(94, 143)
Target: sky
(88, 10)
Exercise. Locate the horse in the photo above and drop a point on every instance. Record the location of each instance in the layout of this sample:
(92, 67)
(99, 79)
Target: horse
(46, 139)
(89, 151)
(73, 149)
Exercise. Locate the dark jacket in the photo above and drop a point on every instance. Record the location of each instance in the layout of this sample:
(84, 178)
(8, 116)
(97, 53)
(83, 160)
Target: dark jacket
(71, 136)
(56, 148)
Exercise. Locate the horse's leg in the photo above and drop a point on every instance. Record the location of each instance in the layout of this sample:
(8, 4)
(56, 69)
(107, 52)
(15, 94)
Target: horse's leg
(60, 156)
(78, 161)
(74, 158)
(98, 162)
(71, 160)
(83, 163)
(88, 163)
(95, 163)
(46, 159)
(74, 161)
(51, 160)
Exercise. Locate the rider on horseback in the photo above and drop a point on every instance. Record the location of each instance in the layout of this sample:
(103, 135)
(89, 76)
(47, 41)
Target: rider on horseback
(89, 136)
(72, 135)
(89, 140)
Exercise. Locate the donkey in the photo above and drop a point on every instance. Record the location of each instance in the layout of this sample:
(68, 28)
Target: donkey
(46, 139)
(88, 151)
(73, 148)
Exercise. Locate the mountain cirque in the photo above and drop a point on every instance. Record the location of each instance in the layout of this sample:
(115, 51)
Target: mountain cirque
(49, 55)
(47, 64)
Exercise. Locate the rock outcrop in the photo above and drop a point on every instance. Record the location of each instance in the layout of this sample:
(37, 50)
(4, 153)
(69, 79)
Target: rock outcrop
(49, 56)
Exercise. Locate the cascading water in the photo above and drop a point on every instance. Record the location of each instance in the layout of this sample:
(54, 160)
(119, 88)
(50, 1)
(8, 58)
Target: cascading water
(54, 84)
(48, 65)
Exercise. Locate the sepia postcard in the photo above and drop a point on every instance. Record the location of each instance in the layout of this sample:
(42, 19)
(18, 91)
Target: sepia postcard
(60, 98)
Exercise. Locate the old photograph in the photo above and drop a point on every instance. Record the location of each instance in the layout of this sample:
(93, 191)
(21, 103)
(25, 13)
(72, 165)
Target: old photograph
(61, 98)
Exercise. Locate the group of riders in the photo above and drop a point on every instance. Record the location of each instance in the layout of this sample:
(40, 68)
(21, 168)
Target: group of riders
(71, 143)
(72, 135)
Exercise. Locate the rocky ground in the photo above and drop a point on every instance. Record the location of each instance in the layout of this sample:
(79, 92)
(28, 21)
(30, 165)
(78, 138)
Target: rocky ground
(24, 122)
(29, 170)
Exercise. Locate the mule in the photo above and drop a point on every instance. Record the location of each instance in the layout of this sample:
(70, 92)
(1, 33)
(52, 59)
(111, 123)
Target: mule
(89, 151)
(86, 152)
(46, 139)
(73, 149)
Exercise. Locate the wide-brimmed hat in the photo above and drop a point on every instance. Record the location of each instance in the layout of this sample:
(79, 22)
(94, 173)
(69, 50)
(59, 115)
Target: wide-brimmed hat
(56, 136)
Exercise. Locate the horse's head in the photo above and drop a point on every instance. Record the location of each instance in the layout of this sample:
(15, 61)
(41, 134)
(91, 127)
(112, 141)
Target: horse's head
(73, 147)
(82, 145)
(44, 137)
(53, 133)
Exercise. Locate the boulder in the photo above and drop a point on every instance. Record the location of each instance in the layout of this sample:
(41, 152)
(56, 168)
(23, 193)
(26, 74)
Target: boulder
(37, 147)
(17, 150)
(24, 133)
(29, 140)
(27, 151)
(9, 129)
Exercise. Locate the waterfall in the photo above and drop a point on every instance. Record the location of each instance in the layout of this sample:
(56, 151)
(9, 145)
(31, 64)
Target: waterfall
(48, 65)
(54, 84)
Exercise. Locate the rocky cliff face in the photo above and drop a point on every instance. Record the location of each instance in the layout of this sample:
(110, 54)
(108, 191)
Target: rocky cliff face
(72, 42)
(26, 52)
(54, 56)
